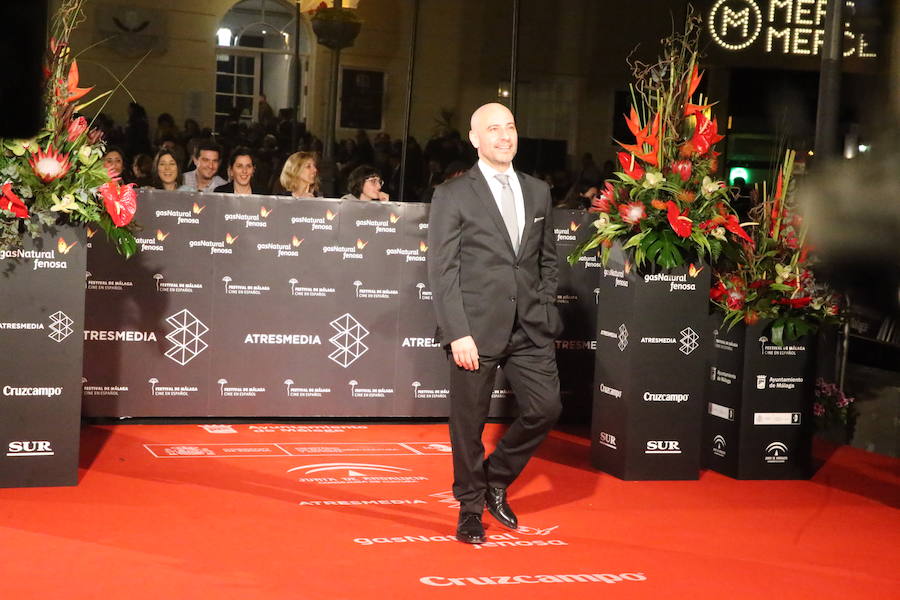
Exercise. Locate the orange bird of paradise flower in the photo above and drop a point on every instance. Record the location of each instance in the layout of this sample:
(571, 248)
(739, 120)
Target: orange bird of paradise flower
(693, 82)
(646, 136)
(73, 92)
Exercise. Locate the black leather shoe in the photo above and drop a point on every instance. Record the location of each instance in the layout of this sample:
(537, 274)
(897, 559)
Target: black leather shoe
(469, 529)
(495, 500)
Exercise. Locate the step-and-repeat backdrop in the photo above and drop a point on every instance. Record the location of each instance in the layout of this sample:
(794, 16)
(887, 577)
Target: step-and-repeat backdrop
(270, 306)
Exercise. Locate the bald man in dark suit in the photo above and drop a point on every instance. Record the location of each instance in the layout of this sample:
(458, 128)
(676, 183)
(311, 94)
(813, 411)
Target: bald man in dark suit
(493, 275)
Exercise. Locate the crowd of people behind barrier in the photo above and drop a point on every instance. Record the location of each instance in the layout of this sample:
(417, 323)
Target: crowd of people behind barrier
(277, 155)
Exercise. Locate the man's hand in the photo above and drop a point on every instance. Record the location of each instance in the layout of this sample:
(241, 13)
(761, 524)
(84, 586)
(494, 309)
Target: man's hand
(465, 353)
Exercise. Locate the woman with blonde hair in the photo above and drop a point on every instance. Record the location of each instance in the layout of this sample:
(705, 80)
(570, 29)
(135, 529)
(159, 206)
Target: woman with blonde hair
(299, 176)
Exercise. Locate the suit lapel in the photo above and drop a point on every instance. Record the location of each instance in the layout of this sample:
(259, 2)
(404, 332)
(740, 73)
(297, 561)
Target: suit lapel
(483, 192)
(528, 199)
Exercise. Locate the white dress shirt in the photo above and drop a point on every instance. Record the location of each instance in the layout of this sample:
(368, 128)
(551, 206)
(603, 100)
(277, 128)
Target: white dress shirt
(497, 188)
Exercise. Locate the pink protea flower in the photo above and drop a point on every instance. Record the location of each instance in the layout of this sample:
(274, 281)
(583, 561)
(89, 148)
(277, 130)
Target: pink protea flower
(50, 165)
(683, 169)
(633, 212)
(605, 200)
(76, 128)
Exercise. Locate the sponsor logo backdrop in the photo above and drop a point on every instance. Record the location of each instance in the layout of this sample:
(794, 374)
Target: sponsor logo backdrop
(649, 375)
(41, 318)
(266, 306)
(758, 421)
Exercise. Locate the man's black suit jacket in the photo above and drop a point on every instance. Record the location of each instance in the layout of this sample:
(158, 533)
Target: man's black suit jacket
(478, 284)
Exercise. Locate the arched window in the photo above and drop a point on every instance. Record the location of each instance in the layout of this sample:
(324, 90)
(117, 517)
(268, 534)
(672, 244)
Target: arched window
(254, 58)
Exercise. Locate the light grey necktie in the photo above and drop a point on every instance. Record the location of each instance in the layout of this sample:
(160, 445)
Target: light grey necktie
(508, 210)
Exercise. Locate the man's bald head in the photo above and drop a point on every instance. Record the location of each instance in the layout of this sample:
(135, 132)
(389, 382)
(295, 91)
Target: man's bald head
(494, 135)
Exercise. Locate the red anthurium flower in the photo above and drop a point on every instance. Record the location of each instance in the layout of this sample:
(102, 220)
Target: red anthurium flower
(732, 225)
(648, 135)
(49, 165)
(683, 169)
(717, 292)
(605, 200)
(633, 212)
(705, 134)
(74, 92)
(681, 225)
(11, 202)
(76, 128)
(120, 201)
(630, 165)
(795, 302)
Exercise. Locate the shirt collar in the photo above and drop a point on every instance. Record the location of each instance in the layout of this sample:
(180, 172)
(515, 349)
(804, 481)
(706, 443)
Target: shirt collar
(489, 171)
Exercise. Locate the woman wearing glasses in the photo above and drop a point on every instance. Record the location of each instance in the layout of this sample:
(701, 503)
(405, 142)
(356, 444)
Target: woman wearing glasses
(364, 183)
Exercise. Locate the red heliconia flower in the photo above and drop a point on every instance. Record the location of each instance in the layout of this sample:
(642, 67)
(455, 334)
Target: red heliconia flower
(120, 201)
(630, 165)
(50, 165)
(73, 91)
(648, 135)
(76, 128)
(683, 169)
(605, 200)
(11, 202)
(679, 221)
(705, 134)
(732, 225)
(633, 212)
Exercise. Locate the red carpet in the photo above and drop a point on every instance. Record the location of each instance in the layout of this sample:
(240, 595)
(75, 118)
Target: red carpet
(364, 511)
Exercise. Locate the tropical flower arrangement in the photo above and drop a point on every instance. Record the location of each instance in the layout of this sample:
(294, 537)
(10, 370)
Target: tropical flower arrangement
(667, 202)
(772, 277)
(832, 406)
(58, 175)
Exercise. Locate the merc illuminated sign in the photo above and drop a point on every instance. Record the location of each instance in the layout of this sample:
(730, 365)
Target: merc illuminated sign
(782, 27)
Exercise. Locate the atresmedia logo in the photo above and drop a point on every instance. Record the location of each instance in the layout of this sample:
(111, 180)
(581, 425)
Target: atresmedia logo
(348, 340)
